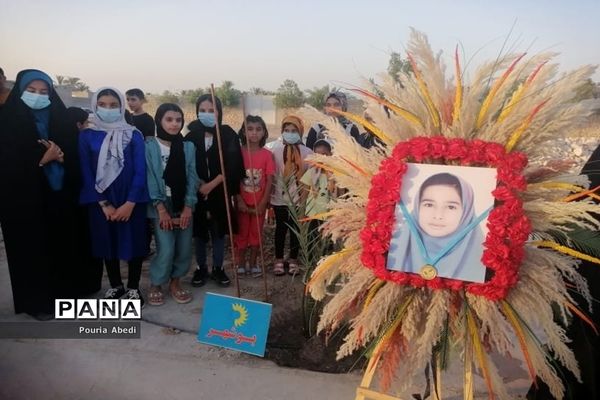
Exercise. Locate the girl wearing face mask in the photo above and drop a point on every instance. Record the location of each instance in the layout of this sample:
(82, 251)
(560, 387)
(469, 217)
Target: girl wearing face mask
(289, 155)
(41, 220)
(210, 216)
(338, 101)
(115, 191)
(172, 183)
(443, 214)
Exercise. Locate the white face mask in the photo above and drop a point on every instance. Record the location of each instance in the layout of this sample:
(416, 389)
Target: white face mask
(35, 101)
(108, 114)
(291, 137)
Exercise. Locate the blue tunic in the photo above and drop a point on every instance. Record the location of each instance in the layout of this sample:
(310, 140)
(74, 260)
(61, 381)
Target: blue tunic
(115, 240)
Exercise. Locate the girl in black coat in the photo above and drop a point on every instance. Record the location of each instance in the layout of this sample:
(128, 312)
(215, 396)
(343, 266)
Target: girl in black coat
(210, 216)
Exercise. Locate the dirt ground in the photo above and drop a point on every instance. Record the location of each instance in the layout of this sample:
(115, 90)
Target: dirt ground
(291, 341)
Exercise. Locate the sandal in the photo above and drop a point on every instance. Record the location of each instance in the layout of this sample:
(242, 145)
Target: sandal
(278, 268)
(156, 297)
(293, 268)
(181, 296)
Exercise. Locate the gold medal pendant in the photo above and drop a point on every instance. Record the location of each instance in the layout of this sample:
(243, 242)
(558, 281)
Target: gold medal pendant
(428, 272)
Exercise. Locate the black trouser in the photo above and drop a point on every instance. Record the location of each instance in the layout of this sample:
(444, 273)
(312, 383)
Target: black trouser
(283, 222)
(113, 269)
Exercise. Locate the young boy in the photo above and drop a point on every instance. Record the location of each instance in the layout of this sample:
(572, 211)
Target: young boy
(319, 188)
(145, 124)
(140, 119)
(78, 117)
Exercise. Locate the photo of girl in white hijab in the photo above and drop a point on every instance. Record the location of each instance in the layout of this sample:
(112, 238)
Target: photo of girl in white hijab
(443, 234)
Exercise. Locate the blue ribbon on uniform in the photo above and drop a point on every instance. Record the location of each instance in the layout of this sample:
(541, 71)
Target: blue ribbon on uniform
(450, 246)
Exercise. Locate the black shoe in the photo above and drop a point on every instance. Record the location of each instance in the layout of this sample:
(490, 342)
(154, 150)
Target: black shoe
(218, 274)
(115, 293)
(135, 294)
(199, 278)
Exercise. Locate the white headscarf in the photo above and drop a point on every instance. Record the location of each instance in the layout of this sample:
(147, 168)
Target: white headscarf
(462, 262)
(111, 159)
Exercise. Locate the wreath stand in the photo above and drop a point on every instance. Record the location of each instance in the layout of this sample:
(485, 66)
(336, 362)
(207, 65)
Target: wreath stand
(363, 392)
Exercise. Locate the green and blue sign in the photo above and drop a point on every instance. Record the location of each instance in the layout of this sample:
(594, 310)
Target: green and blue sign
(235, 323)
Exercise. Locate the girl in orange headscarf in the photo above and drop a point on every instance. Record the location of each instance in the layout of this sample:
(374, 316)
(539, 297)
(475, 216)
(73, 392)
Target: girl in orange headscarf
(289, 155)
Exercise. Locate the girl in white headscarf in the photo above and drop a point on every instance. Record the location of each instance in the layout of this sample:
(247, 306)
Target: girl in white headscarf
(115, 190)
(441, 232)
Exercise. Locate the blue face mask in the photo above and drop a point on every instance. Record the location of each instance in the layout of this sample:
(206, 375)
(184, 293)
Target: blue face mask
(109, 114)
(207, 119)
(35, 101)
(291, 137)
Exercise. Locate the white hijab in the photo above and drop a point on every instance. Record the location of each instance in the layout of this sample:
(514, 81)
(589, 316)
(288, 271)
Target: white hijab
(462, 262)
(111, 159)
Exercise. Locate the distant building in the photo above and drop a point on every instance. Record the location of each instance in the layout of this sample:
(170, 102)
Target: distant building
(261, 105)
(74, 98)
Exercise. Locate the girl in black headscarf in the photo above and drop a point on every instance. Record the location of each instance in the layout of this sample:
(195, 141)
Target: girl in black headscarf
(210, 217)
(43, 226)
(173, 185)
(337, 100)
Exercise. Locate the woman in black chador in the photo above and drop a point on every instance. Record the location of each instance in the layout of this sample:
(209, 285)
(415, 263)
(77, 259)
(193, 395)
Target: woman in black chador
(44, 229)
(585, 342)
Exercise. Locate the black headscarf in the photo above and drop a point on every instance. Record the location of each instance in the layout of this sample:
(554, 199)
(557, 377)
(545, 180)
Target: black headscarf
(175, 174)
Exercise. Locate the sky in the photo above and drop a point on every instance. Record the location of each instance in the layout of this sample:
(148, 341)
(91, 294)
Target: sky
(183, 44)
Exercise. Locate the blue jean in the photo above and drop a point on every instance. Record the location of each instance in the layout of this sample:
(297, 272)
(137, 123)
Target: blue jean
(173, 253)
(218, 248)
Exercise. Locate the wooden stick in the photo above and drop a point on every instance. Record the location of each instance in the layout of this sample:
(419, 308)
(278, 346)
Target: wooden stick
(260, 242)
(227, 198)
(372, 394)
(363, 391)
(437, 389)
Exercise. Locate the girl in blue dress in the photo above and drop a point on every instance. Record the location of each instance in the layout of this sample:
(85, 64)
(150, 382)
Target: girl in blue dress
(115, 191)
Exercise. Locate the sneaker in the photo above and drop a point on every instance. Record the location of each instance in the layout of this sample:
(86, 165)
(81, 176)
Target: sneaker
(115, 293)
(218, 274)
(241, 270)
(135, 294)
(199, 278)
(256, 271)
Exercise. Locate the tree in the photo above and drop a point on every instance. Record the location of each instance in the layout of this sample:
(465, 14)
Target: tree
(71, 82)
(168, 97)
(585, 91)
(229, 96)
(376, 89)
(289, 95)
(316, 96)
(260, 92)
(81, 86)
(190, 96)
(396, 65)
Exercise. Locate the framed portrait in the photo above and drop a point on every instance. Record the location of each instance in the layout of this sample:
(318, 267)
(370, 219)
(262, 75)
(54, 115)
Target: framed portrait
(441, 221)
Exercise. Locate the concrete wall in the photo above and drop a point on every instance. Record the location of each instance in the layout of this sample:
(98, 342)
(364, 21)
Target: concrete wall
(66, 95)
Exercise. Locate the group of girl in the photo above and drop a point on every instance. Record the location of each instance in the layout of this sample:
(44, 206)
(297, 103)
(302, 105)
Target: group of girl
(48, 170)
